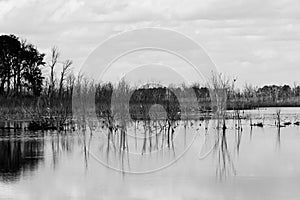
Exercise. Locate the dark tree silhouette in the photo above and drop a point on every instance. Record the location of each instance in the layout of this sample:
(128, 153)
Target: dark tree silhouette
(20, 63)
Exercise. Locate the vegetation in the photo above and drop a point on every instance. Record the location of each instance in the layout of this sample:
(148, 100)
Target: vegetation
(59, 100)
(45, 99)
(20, 71)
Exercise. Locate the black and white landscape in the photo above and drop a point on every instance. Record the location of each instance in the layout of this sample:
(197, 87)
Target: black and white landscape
(152, 99)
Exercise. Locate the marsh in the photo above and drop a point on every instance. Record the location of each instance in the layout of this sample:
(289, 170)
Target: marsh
(250, 163)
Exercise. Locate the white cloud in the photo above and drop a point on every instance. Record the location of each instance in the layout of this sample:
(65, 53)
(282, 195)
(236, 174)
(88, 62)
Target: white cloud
(265, 53)
(237, 34)
(67, 9)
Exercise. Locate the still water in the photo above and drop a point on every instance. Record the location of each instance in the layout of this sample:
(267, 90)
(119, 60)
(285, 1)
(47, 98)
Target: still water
(255, 163)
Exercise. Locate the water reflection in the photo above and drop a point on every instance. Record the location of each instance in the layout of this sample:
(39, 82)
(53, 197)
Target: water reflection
(120, 146)
(137, 140)
(19, 156)
(30, 162)
(22, 153)
(60, 144)
(120, 143)
(225, 164)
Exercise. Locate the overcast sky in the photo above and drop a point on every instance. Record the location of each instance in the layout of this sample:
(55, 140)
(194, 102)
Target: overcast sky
(257, 41)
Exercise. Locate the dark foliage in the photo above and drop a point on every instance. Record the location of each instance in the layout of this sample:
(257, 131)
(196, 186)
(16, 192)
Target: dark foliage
(20, 63)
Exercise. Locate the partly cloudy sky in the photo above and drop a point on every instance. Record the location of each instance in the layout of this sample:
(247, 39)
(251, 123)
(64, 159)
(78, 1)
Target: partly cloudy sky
(254, 40)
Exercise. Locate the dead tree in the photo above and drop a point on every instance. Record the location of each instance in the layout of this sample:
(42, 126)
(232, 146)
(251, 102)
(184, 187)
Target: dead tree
(54, 59)
(219, 86)
(65, 70)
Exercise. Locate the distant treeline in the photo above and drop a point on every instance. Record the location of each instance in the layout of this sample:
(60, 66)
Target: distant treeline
(32, 87)
(266, 96)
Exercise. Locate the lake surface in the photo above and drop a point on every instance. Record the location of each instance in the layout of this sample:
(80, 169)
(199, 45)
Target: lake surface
(252, 163)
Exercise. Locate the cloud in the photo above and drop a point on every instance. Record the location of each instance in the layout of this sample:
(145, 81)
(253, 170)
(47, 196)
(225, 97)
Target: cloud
(135, 10)
(237, 34)
(66, 10)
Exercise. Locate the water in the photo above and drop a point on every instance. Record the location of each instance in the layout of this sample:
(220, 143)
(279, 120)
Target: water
(258, 163)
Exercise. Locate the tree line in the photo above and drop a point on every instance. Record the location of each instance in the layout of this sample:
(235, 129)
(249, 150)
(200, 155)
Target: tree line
(21, 78)
(21, 66)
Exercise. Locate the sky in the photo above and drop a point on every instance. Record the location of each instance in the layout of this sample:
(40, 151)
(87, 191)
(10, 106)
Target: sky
(255, 41)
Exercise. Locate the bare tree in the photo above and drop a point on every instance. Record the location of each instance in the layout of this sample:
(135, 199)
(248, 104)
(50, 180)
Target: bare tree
(219, 86)
(54, 59)
(70, 82)
(65, 70)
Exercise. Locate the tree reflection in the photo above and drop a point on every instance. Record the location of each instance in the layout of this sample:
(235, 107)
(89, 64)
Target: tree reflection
(225, 164)
(19, 156)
